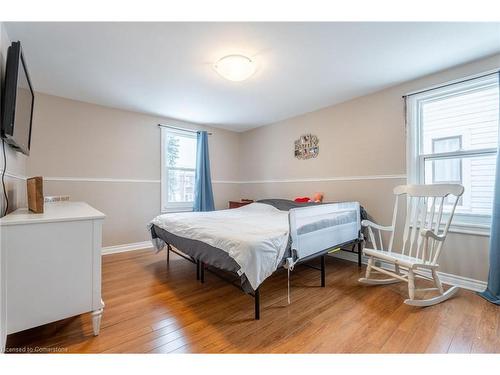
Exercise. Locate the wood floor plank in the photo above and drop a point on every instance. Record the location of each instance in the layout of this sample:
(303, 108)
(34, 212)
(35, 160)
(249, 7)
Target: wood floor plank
(152, 307)
(464, 335)
(487, 338)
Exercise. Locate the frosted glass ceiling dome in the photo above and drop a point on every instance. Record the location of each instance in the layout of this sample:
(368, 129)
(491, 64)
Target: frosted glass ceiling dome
(235, 67)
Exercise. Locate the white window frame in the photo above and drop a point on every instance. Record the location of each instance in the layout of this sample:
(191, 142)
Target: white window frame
(167, 206)
(462, 222)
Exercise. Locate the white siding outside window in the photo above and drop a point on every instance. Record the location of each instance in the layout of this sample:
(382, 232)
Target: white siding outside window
(453, 138)
(178, 163)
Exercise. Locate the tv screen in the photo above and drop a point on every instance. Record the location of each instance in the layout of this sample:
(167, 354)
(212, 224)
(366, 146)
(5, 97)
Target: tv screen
(18, 101)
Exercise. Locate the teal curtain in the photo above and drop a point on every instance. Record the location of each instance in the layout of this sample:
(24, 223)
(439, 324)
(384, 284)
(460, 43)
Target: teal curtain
(492, 292)
(203, 194)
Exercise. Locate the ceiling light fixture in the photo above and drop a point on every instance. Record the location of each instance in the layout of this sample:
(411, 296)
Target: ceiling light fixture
(235, 67)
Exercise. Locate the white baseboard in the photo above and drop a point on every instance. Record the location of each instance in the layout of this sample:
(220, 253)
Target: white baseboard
(126, 247)
(446, 278)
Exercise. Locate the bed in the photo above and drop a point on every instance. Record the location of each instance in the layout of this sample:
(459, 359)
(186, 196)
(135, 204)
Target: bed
(253, 241)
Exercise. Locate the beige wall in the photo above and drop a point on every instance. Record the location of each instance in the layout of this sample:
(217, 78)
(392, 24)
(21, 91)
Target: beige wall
(73, 140)
(362, 137)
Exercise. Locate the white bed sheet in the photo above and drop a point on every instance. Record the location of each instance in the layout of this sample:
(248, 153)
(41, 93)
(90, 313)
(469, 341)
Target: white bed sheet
(255, 235)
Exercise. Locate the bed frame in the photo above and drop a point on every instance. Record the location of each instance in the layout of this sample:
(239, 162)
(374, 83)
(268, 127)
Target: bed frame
(202, 267)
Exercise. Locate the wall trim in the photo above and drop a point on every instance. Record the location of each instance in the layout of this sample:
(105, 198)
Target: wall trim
(311, 179)
(226, 182)
(326, 179)
(101, 179)
(13, 175)
(120, 180)
(446, 278)
(126, 247)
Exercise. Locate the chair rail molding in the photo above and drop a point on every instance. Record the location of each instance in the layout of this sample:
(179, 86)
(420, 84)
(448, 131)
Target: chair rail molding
(328, 179)
(215, 181)
(13, 175)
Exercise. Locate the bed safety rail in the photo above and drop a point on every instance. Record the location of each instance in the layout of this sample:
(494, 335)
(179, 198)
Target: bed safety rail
(316, 229)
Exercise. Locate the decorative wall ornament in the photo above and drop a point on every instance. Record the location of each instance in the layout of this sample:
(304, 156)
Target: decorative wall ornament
(306, 147)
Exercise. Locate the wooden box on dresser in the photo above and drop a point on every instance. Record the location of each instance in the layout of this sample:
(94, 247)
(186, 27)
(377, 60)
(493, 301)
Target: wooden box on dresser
(238, 204)
(52, 266)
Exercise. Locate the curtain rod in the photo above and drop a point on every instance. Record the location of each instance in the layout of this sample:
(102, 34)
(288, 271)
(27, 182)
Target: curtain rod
(182, 129)
(452, 83)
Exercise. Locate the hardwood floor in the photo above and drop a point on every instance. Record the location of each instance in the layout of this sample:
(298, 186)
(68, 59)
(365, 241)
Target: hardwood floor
(152, 307)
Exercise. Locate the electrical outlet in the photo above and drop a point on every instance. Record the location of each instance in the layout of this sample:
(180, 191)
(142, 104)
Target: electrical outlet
(56, 198)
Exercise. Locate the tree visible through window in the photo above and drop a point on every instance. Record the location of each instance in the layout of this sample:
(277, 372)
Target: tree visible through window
(179, 153)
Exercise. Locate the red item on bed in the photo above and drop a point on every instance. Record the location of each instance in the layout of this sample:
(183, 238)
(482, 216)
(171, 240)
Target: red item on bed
(302, 199)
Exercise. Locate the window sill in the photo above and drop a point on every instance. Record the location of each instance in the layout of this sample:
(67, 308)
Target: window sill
(176, 209)
(470, 229)
(467, 228)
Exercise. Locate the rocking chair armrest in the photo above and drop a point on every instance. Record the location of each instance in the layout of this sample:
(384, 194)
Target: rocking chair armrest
(429, 233)
(368, 223)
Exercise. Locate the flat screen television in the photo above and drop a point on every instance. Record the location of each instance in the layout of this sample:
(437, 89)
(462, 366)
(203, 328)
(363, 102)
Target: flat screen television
(18, 101)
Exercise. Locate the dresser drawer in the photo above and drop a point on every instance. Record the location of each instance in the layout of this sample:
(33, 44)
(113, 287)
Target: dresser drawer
(49, 273)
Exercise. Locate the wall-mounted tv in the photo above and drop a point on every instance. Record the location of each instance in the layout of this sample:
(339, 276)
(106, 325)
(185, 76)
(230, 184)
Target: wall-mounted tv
(18, 100)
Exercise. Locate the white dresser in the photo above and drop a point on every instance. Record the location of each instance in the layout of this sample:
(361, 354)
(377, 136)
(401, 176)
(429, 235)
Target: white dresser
(51, 266)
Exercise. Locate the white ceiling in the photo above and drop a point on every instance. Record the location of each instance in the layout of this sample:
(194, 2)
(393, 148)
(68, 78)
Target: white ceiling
(165, 69)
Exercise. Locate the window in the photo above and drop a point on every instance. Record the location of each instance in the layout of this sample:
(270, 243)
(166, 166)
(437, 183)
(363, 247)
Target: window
(447, 171)
(453, 138)
(178, 169)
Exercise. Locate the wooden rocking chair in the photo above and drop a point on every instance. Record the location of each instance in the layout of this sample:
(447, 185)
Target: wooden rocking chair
(425, 230)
